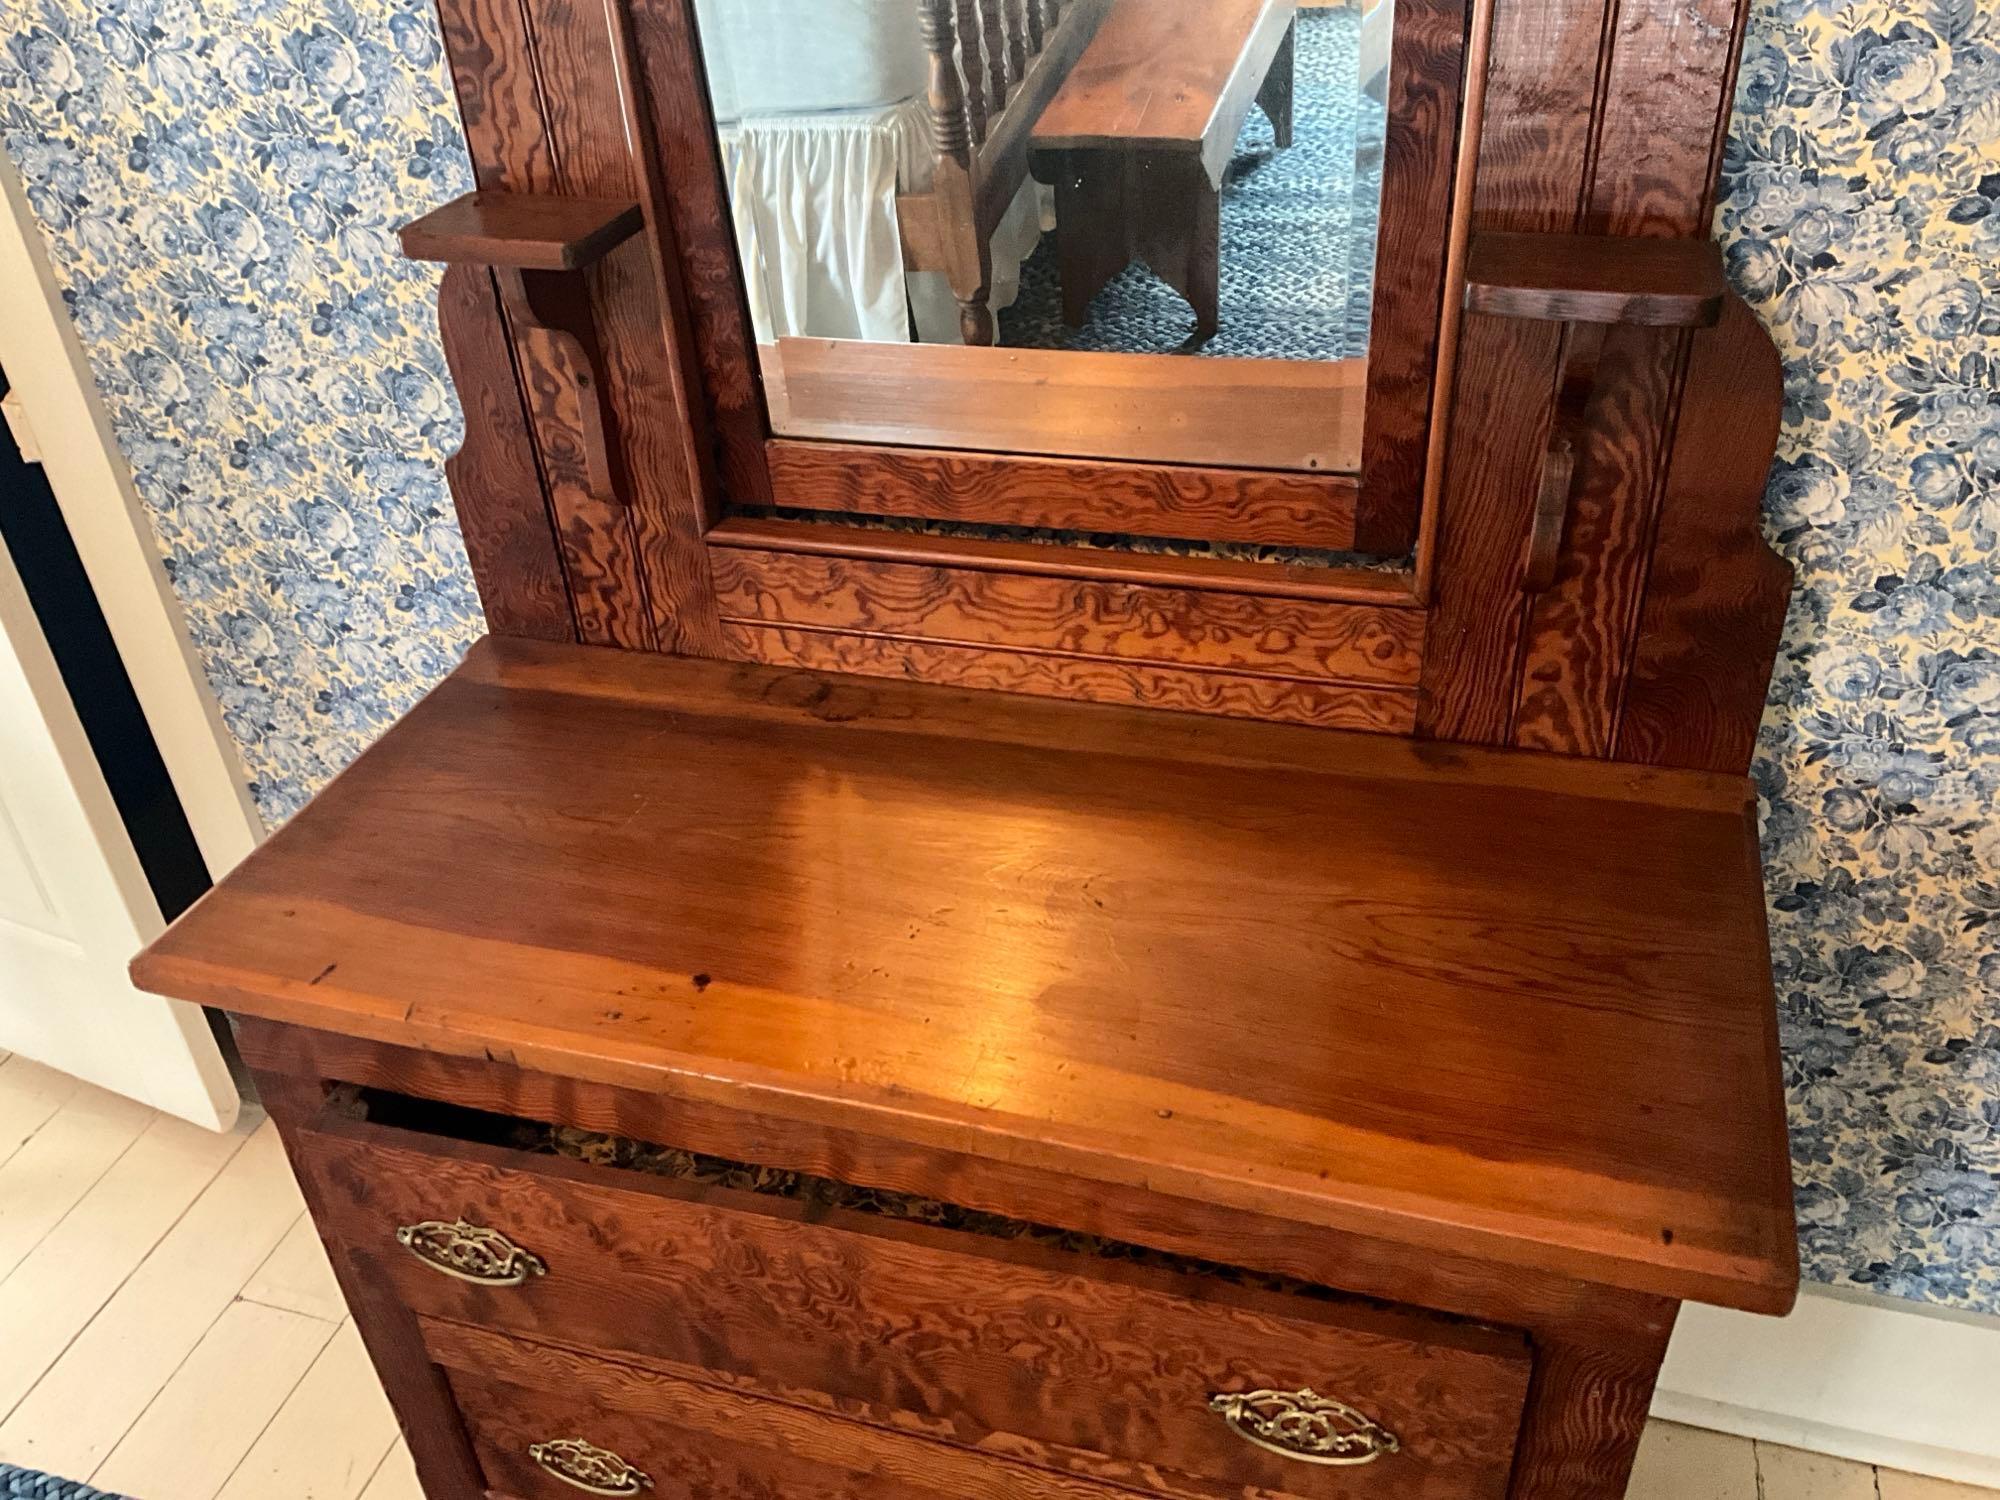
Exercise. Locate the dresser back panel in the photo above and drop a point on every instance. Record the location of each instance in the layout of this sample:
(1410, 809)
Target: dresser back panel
(1639, 623)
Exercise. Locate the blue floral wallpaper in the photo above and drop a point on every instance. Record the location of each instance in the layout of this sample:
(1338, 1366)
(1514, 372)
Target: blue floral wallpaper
(218, 180)
(1861, 214)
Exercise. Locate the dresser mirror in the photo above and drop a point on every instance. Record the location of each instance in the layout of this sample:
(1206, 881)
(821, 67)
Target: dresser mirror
(1193, 190)
(1134, 231)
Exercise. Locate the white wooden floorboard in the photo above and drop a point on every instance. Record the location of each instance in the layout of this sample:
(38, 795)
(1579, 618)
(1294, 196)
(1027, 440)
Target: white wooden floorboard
(50, 1298)
(396, 1478)
(297, 1275)
(215, 1406)
(1686, 1463)
(29, 1095)
(1891, 1485)
(97, 1389)
(1794, 1474)
(328, 1439)
(48, 1176)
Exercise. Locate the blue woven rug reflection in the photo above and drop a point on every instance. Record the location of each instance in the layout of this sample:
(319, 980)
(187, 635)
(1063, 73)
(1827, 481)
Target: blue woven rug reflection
(31, 1484)
(1298, 233)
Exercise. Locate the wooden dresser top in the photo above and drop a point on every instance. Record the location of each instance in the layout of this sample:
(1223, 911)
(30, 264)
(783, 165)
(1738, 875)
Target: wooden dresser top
(1485, 1001)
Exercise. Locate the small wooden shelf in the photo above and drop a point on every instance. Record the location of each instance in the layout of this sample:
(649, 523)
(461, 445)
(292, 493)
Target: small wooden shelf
(524, 231)
(1594, 278)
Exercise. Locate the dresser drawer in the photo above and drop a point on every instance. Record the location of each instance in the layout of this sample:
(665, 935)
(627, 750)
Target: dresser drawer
(1078, 1364)
(551, 1423)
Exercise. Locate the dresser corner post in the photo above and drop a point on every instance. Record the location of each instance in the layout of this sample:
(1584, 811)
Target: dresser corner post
(1588, 1400)
(418, 1392)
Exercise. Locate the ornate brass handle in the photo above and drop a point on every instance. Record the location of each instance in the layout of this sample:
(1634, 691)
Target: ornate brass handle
(1304, 1425)
(596, 1470)
(485, 1257)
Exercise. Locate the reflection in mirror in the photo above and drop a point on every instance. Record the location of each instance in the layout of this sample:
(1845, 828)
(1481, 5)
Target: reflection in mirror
(1162, 212)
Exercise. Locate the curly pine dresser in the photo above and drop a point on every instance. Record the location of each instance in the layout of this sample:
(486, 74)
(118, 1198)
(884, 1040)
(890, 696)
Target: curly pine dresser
(997, 923)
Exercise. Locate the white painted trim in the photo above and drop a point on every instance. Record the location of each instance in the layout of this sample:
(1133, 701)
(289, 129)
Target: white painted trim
(1877, 1379)
(46, 365)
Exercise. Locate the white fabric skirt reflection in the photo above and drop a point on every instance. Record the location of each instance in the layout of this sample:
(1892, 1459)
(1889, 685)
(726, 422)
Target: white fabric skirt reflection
(813, 197)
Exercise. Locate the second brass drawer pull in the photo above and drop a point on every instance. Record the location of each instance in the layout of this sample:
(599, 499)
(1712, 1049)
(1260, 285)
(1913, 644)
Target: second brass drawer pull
(587, 1467)
(485, 1257)
(1304, 1425)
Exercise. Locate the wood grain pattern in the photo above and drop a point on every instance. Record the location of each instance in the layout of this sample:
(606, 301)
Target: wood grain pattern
(527, 231)
(1715, 598)
(1577, 643)
(1667, 84)
(701, 1442)
(513, 150)
(503, 515)
(1612, 1009)
(695, 209)
(1390, 587)
(1235, 505)
(1586, 1410)
(1166, 77)
(1421, 141)
(663, 602)
(1668, 283)
(1500, 420)
(539, 89)
(1139, 684)
(492, 70)
(1550, 1308)
(1092, 1366)
(1152, 408)
(1595, 1346)
(1538, 137)
(1242, 633)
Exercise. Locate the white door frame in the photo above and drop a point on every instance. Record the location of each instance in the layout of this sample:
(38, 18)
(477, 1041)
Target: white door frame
(93, 486)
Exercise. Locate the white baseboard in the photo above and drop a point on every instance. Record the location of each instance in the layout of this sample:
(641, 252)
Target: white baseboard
(1871, 1378)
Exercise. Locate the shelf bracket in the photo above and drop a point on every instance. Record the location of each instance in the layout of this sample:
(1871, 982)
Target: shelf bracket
(1588, 283)
(537, 248)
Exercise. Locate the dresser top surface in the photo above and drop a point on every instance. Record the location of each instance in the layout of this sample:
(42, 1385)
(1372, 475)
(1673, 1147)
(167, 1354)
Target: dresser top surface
(1485, 1001)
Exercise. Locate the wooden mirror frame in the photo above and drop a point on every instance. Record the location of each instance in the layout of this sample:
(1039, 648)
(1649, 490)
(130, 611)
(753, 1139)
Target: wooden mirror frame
(1630, 611)
(1185, 494)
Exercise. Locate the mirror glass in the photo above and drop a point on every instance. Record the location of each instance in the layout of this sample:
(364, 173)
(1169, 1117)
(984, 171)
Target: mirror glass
(1137, 229)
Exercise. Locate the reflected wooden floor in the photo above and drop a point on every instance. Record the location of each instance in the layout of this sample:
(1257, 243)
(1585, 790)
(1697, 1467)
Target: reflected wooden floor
(1160, 408)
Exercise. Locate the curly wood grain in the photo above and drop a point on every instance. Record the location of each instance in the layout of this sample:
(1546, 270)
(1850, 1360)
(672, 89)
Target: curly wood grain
(1714, 607)
(1356, 643)
(1096, 1366)
(1550, 1308)
(704, 1442)
(1171, 500)
(1425, 76)
(510, 535)
(1082, 679)
(1577, 643)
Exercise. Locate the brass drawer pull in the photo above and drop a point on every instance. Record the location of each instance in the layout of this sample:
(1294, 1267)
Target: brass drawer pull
(485, 1257)
(596, 1470)
(1305, 1425)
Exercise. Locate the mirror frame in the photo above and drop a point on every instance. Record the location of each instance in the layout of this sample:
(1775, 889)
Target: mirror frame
(1375, 511)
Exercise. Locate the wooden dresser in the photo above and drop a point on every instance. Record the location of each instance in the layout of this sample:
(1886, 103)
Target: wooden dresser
(983, 927)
